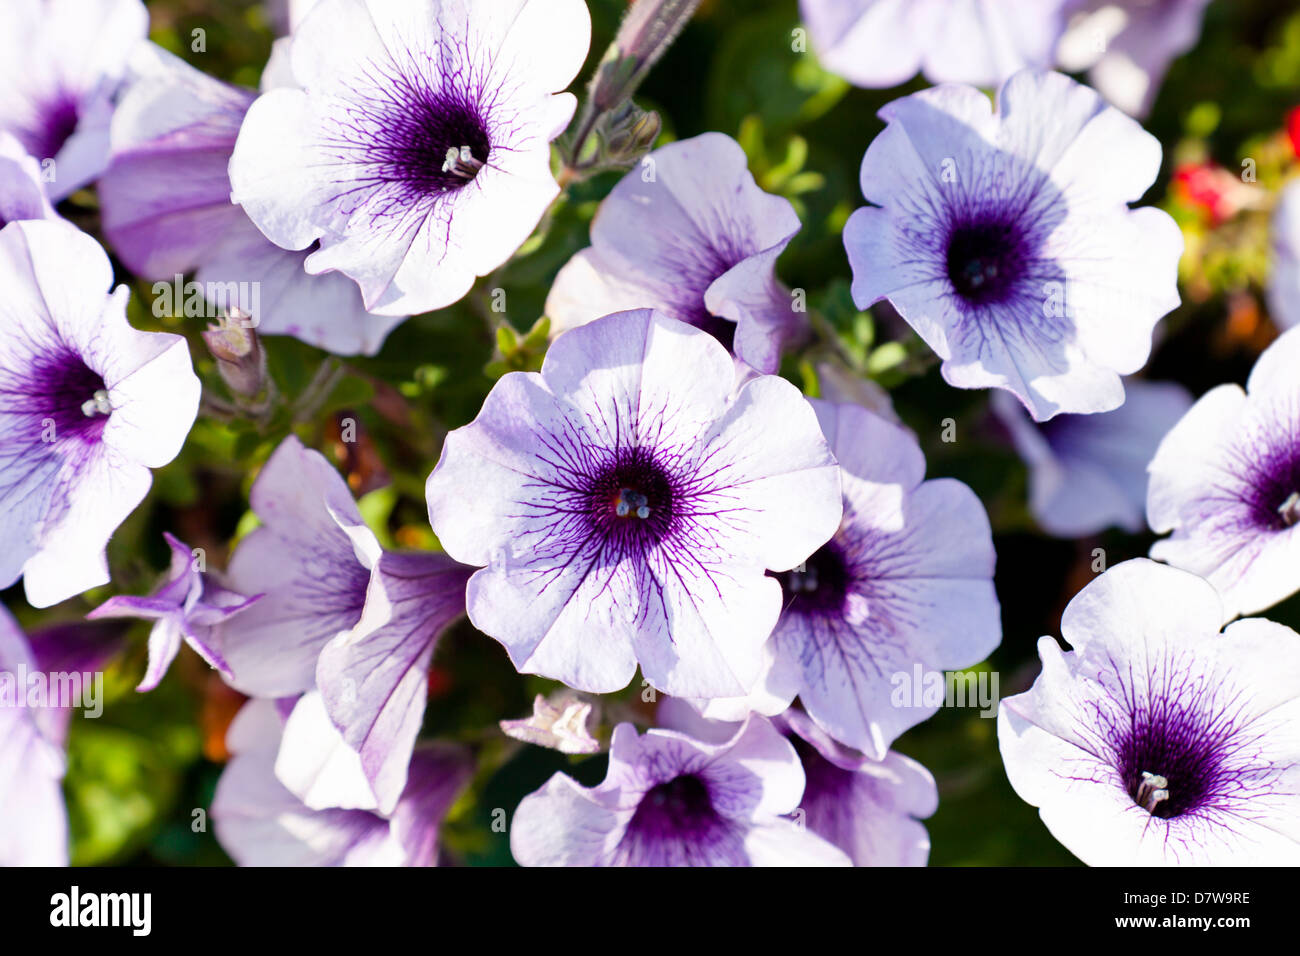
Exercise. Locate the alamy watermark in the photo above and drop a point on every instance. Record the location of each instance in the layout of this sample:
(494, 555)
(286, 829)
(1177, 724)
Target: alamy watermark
(37, 689)
(208, 300)
(921, 688)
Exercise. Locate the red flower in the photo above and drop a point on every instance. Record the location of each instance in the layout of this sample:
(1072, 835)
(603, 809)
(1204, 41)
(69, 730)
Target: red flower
(1208, 187)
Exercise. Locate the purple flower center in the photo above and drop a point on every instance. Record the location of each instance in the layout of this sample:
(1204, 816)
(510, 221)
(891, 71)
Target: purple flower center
(56, 127)
(66, 400)
(631, 501)
(986, 260)
(676, 824)
(428, 136)
(820, 585)
(1170, 754)
(1273, 492)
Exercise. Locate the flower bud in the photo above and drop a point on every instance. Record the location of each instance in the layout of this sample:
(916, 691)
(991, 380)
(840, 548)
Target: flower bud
(628, 132)
(644, 36)
(233, 342)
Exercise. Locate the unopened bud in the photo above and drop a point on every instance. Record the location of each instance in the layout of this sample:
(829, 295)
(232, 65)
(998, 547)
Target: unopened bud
(234, 344)
(647, 31)
(628, 132)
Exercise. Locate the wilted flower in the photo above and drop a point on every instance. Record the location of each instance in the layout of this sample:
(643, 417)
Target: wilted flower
(417, 153)
(167, 211)
(88, 405)
(669, 800)
(1159, 740)
(1127, 45)
(692, 235)
(560, 725)
(1089, 472)
(262, 823)
(339, 613)
(626, 502)
(185, 607)
(1226, 482)
(1005, 239)
(63, 61)
(878, 43)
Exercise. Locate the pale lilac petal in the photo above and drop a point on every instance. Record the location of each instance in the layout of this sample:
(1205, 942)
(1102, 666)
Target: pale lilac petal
(374, 678)
(312, 558)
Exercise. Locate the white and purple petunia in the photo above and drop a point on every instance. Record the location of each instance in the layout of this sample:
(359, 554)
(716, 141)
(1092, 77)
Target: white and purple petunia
(624, 506)
(1006, 241)
(698, 240)
(1159, 740)
(906, 583)
(33, 819)
(880, 43)
(1226, 482)
(22, 190)
(1284, 269)
(417, 151)
(44, 677)
(671, 800)
(1127, 45)
(185, 608)
(870, 809)
(339, 613)
(260, 821)
(88, 405)
(1089, 472)
(61, 63)
(166, 206)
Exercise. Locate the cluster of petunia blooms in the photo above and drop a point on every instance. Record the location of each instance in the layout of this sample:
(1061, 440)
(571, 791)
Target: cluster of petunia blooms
(655, 499)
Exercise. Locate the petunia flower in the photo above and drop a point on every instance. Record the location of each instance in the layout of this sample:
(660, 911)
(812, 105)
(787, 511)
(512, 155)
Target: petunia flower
(339, 613)
(167, 211)
(905, 583)
(417, 151)
(689, 233)
(1226, 482)
(61, 62)
(1005, 239)
(1284, 270)
(870, 809)
(33, 817)
(1127, 45)
(880, 43)
(185, 607)
(260, 822)
(624, 504)
(88, 405)
(22, 191)
(670, 800)
(1089, 472)
(1158, 740)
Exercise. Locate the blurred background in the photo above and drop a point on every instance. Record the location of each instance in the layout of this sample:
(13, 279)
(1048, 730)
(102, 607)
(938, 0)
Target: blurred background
(137, 775)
